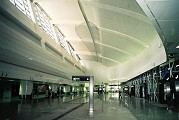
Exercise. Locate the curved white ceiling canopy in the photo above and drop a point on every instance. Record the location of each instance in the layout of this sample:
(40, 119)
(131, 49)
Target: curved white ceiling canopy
(110, 32)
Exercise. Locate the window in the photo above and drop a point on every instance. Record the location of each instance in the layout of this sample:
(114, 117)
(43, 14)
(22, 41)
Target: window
(61, 39)
(43, 20)
(71, 49)
(23, 6)
(67, 46)
(77, 57)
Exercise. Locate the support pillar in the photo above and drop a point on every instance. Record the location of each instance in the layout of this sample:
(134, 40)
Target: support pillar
(26, 88)
(91, 99)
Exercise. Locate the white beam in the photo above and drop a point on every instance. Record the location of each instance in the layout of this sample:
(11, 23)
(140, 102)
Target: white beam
(66, 22)
(127, 36)
(85, 53)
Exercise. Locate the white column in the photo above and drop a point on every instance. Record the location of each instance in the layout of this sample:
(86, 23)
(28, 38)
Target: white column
(26, 88)
(54, 88)
(91, 99)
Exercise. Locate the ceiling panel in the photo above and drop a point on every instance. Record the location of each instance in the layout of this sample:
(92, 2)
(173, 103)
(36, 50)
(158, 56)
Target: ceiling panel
(169, 26)
(82, 46)
(122, 43)
(65, 14)
(68, 31)
(124, 4)
(78, 45)
(88, 57)
(114, 54)
(172, 37)
(166, 21)
(125, 25)
(82, 31)
(108, 62)
(164, 10)
(53, 7)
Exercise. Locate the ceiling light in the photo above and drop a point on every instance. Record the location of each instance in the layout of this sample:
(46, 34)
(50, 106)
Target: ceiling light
(177, 46)
(11, 80)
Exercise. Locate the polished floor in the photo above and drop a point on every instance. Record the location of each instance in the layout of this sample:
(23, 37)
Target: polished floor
(76, 107)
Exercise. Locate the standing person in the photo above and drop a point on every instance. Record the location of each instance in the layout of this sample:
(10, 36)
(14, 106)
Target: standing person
(49, 93)
(32, 94)
(52, 94)
(119, 94)
(130, 93)
(58, 92)
(169, 98)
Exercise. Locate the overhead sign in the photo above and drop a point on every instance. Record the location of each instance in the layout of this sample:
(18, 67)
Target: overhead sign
(80, 78)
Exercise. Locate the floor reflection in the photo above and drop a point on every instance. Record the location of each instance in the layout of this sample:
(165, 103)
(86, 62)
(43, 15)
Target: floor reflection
(106, 106)
(34, 109)
(8, 110)
(140, 108)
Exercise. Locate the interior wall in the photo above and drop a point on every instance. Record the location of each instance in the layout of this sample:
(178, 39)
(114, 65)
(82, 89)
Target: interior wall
(96, 69)
(25, 50)
(147, 60)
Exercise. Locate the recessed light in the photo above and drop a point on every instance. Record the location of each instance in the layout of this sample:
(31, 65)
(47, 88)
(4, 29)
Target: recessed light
(11, 80)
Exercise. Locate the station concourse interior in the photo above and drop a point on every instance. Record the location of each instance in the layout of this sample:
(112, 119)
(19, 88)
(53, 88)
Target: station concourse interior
(51, 49)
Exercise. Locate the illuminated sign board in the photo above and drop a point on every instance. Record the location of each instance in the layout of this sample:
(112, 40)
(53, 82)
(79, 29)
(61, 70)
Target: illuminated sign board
(80, 78)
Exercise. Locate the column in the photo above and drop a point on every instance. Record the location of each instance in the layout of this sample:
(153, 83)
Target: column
(91, 99)
(26, 88)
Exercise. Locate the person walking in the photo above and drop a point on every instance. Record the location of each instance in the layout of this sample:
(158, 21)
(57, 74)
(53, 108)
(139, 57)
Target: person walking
(120, 96)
